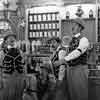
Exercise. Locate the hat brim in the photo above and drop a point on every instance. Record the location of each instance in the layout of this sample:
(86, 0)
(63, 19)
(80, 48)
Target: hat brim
(76, 21)
(8, 35)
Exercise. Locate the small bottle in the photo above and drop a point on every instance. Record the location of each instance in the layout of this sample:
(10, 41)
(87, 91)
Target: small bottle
(35, 18)
(57, 25)
(34, 26)
(41, 34)
(31, 35)
(44, 17)
(45, 34)
(49, 34)
(31, 26)
(53, 16)
(33, 46)
(49, 18)
(46, 26)
(39, 17)
(50, 26)
(38, 42)
(57, 33)
(53, 25)
(30, 19)
(53, 33)
(36, 34)
(38, 26)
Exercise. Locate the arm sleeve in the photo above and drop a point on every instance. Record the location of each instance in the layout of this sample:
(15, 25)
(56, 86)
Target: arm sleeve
(83, 46)
(1, 57)
(61, 54)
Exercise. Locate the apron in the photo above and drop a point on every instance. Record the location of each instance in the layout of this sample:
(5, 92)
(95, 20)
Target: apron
(78, 82)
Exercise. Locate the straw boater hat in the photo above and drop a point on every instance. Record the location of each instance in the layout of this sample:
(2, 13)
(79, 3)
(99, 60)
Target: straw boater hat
(8, 34)
(80, 22)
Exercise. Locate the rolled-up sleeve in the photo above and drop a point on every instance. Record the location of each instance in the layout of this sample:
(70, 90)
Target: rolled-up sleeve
(61, 54)
(1, 57)
(83, 46)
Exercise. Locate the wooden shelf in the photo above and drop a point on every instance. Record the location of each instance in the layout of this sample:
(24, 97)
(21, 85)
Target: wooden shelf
(32, 14)
(39, 30)
(48, 21)
(39, 38)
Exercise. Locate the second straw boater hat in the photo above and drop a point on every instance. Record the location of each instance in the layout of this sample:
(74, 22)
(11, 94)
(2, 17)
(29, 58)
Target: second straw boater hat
(80, 22)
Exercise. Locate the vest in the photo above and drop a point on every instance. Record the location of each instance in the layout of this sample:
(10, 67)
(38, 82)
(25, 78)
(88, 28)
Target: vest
(81, 59)
(12, 61)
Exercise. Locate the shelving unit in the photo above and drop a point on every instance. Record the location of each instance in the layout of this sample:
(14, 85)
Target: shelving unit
(41, 27)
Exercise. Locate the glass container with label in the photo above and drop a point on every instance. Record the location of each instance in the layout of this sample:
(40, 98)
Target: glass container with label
(44, 17)
(41, 34)
(30, 19)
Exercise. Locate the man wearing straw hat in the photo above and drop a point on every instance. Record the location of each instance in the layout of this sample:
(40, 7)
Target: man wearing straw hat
(11, 69)
(77, 75)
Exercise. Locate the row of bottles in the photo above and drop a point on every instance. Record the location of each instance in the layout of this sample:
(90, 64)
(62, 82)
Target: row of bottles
(39, 43)
(44, 34)
(34, 46)
(22, 45)
(41, 26)
(43, 17)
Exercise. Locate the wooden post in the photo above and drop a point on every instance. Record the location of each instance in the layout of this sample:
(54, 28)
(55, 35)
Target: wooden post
(26, 32)
(96, 21)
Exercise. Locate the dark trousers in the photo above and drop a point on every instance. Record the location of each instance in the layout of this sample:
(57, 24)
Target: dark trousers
(12, 87)
(78, 82)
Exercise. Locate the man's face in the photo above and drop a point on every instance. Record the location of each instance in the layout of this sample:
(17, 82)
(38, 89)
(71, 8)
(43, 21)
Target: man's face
(54, 44)
(11, 41)
(75, 28)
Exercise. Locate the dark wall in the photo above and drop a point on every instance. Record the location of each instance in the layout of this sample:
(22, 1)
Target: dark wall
(90, 29)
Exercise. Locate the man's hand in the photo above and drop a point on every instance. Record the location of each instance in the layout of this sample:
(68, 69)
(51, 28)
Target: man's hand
(52, 78)
(59, 62)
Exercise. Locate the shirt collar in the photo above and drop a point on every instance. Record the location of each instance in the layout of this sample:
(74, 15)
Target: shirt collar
(77, 35)
(58, 48)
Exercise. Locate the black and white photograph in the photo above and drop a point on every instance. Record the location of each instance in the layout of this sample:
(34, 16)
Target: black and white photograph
(49, 49)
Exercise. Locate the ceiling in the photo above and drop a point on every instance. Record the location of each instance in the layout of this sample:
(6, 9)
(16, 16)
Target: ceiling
(31, 3)
(51, 2)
